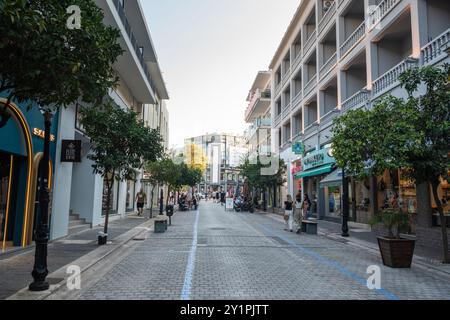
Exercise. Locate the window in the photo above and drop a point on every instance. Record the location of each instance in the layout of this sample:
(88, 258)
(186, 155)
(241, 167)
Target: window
(122, 3)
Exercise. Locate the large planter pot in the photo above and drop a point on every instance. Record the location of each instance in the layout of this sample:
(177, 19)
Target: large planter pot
(396, 253)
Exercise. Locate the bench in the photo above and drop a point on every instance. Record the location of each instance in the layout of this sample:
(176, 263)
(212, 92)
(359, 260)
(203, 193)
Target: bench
(309, 226)
(161, 224)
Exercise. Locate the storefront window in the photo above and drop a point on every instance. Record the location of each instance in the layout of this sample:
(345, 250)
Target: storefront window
(334, 202)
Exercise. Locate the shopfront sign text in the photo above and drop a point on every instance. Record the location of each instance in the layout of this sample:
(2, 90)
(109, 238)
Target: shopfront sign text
(41, 134)
(317, 159)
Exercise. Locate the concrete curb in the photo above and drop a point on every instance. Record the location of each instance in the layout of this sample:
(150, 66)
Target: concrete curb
(86, 262)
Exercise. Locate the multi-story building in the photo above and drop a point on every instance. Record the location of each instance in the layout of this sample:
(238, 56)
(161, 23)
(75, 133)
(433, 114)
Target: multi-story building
(219, 156)
(78, 193)
(258, 116)
(340, 55)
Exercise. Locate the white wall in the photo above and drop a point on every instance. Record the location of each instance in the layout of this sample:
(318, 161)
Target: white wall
(62, 177)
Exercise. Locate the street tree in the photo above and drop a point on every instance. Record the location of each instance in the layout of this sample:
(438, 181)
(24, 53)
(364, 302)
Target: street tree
(159, 174)
(254, 173)
(410, 133)
(49, 64)
(120, 145)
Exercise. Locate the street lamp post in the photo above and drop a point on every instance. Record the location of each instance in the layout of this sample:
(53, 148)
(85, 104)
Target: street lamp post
(40, 270)
(345, 205)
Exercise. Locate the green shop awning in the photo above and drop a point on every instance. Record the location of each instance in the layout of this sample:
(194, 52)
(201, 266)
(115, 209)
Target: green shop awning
(315, 172)
(334, 179)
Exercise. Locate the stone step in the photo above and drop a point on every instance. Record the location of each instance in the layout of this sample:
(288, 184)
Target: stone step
(78, 222)
(74, 217)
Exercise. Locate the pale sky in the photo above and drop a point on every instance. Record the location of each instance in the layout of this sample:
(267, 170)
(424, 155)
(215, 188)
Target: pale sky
(210, 52)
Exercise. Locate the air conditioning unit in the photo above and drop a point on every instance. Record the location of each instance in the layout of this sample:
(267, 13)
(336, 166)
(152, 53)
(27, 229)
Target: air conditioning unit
(327, 5)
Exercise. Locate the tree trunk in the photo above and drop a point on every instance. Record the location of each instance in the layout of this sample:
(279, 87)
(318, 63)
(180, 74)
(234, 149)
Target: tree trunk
(443, 222)
(108, 203)
(151, 202)
(424, 211)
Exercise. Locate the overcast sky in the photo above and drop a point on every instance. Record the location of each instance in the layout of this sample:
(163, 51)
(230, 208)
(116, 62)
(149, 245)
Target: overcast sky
(210, 52)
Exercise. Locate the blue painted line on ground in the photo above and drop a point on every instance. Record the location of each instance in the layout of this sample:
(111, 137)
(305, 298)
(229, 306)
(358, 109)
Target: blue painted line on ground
(331, 263)
(186, 292)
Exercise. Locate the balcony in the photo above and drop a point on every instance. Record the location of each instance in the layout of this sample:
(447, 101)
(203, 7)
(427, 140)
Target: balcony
(328, 65)
(327, 17)
(258, 104)
(390, 78)
(297, 61)
(380, 12)
(353, 39)
(286, 111)
(329, 116)
(309, 43)
(286, 75)
(135, 46)
(297, 99)
(357, 100)
(310, 85)
(311, 128)
(436, 48)
(259, 124)
(277, 121)
(341, 2)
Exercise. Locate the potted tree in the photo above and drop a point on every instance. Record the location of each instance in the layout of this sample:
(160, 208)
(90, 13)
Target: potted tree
(396, 252)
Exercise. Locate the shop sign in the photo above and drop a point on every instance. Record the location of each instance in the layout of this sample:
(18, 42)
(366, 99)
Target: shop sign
(71, 151)
(41, 134)
(317, 159)
(298, 148)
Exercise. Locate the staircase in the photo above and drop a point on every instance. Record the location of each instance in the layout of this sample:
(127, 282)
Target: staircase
(76, 224)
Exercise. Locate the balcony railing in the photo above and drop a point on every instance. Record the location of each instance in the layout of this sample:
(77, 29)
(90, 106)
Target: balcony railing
(277, 120)
(358, 99)
(278, 88)
(296, 61)
(341, 2)
(311, 40)
(133, 41)
(329, 116)
(257, 96)
(286, 111)
(327, 17)
(353, 39)
(310, 85)
(390, 78)
(311, 127)
(286, 75)
(381, 11)
(327, 66)
(435, 48)
(297, 99)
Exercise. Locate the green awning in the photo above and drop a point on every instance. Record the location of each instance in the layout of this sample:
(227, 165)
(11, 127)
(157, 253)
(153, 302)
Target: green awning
(315, 172)
(334, 179)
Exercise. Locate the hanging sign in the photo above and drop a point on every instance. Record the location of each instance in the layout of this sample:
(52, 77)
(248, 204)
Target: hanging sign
(71, 151)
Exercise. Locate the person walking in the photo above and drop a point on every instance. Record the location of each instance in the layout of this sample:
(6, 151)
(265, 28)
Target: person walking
(298, 214)
(141, 198)
(288, 213)
(306, 207)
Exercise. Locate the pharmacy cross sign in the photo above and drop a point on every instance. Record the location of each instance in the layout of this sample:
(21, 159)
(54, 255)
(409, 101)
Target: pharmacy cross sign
(298, 148)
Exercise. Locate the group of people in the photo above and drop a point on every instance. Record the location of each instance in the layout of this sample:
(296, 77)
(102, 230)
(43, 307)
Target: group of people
(188, 201)
(296, 211)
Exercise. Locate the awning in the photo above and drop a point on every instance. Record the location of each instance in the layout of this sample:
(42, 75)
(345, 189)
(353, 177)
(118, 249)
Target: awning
(334, 179)
(314, 172)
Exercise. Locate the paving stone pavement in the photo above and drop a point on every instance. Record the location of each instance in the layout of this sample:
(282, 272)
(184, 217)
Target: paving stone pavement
(18, 266)
(249, 256)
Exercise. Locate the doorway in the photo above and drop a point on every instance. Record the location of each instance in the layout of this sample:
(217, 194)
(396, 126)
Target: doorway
(8, 198)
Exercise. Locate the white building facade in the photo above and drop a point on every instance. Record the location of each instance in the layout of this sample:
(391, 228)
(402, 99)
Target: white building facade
(79, 195)
(341, 55)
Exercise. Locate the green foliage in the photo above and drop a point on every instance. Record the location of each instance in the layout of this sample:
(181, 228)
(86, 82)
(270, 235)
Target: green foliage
(120, 144)
(45, 62)
(392, 219)
(252, 172)
(368, 142)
